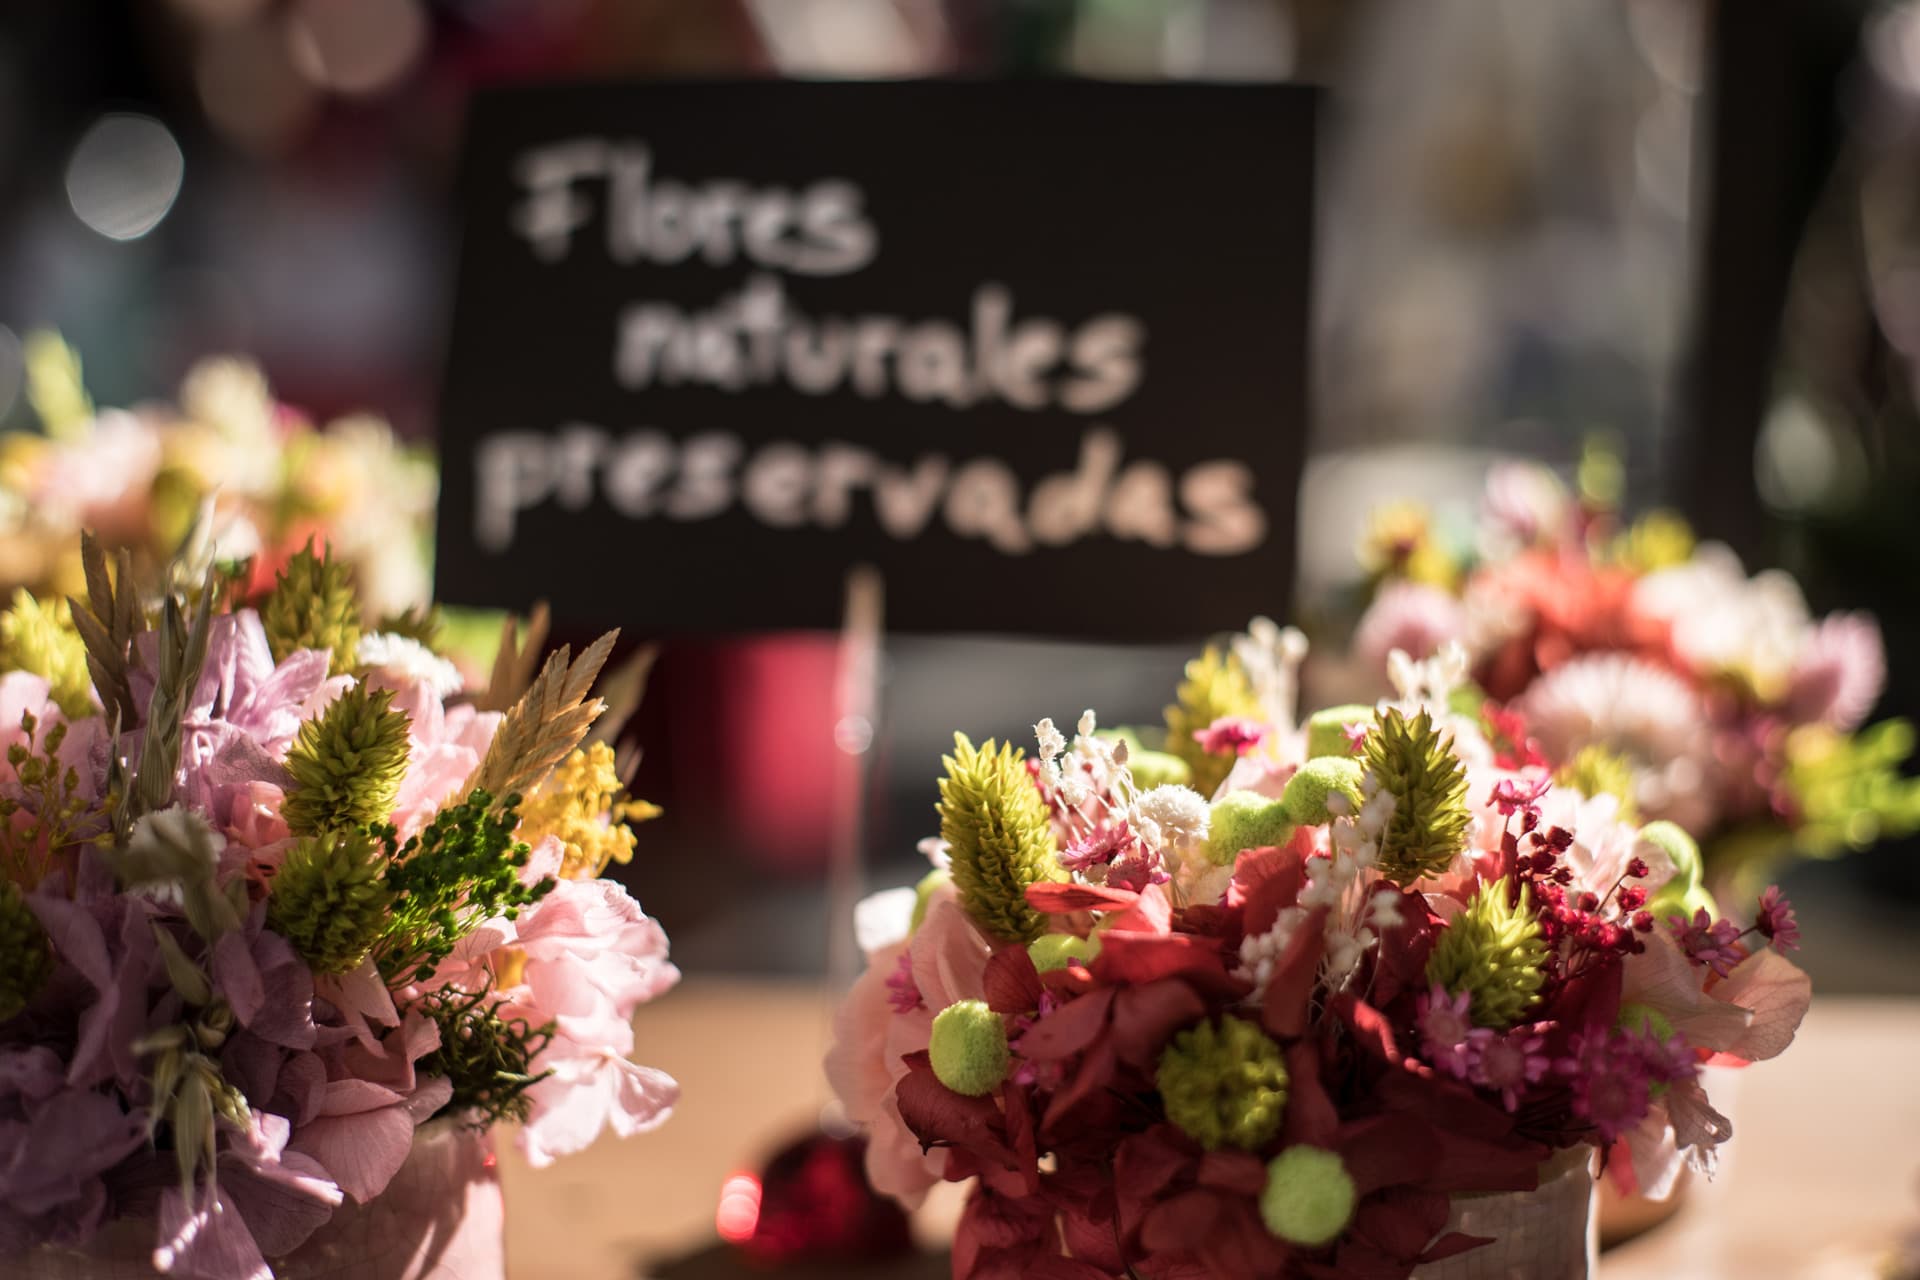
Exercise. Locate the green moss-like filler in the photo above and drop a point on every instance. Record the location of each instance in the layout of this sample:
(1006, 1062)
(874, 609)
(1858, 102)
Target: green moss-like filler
(1327, 730)
(313, 606)
(487, 1058)
(1492, 950)
(1224, 1084)
(347, 763)
(998, 837)
(1052, 951)
(41, 638)
(1216, 685)
(931, 883)
(1245, 820)
(463, 868)
(1152, 769)
(1309, 1197)
(968, 1048)
(1325, 788)
(1412, 762)
(1596, 771)
(1687, 892)
(330, 899)
(25, 957)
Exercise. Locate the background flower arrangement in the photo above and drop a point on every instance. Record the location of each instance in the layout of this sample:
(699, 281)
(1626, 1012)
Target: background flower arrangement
(276, 895)
(1269, 1002)
(138, 478)
(1640, 663)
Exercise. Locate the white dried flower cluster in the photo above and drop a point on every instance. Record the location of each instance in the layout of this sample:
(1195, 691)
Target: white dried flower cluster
(1428, 683)
(404, 660)
(1271, 656)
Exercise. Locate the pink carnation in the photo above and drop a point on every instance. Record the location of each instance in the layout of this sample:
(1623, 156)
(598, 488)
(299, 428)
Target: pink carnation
(586, 957)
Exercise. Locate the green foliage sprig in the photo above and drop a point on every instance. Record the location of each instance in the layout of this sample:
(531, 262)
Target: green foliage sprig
(463, 868)
(488, 1058)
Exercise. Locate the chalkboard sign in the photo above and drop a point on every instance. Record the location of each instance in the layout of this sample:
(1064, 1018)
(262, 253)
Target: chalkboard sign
(1036, 350)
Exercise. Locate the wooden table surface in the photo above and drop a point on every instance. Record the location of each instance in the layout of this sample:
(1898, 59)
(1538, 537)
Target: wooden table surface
(1822, 1179)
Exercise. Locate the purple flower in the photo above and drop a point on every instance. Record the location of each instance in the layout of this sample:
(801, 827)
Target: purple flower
(1776, 922)
(1506, 1063)
(1714, 943)
(902, 993)
(1098, 849)
(1513, 795)
(1445, 1024)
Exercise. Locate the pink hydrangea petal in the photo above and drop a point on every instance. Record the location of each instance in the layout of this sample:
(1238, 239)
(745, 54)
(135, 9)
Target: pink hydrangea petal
(208, 1242)
(361, 1151)
(1776, 993)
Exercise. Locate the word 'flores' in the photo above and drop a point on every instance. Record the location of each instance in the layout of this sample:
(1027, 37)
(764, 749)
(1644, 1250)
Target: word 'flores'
(1209, 509)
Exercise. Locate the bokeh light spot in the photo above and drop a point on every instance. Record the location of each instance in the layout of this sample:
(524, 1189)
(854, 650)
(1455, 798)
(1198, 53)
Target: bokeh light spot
(124, 175)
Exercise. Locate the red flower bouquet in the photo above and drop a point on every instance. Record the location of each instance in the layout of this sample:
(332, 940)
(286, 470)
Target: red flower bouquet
(1372, 1004)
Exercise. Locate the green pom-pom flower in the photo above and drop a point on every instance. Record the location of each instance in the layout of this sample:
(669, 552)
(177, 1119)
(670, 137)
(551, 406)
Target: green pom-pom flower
(330, 899)
(1493, 951)
(313, 607)
(41, 638)
(998, 837)
(1224, 1084)
(1216, 685)
(25, 958)
(1052, 951)
(1309, 1196)
(1412, 762)
(1245, 820)
(1152, 769)
(347, 763)
(1324, 789)
(968, 1048)
(1596, 771)
(1327, 730)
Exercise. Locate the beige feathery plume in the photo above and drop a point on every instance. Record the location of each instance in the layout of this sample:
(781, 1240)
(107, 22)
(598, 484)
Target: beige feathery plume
(514, 663)
(550, 719)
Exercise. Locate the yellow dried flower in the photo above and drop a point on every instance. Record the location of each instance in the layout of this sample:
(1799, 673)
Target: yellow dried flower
(1216, 685)
(42, 639)
(584, 805)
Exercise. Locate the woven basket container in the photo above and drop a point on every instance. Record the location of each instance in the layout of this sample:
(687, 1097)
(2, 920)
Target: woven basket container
(441, 1218)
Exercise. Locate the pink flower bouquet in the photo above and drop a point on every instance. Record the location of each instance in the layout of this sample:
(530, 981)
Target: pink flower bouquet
(1315, 1019)
(1634, 662)
(276, 895)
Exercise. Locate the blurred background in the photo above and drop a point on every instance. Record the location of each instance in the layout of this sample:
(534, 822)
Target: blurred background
(1691, 231)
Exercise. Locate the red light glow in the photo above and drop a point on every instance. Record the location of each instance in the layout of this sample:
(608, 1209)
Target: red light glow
(739, 1211)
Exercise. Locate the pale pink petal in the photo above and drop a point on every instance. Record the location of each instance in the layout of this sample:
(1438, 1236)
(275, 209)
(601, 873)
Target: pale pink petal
(212, 1243)
(361, 1152)
(1662, 978)
(1657, 1160)
(1777, 992)
(643, 1097)
(949, 957)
